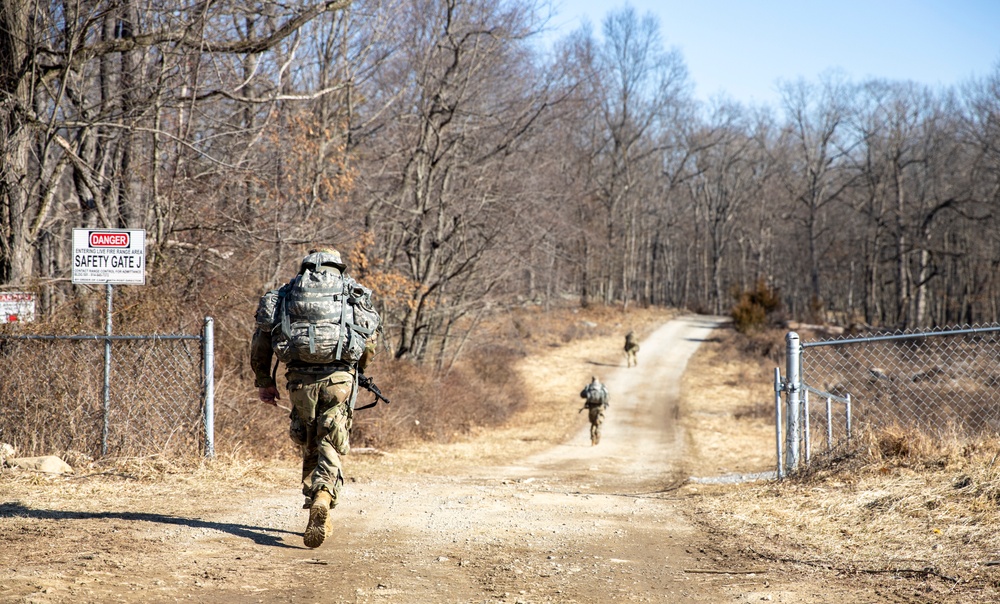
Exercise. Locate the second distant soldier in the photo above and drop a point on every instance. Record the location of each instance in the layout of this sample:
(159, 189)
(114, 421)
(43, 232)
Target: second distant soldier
(631, 349)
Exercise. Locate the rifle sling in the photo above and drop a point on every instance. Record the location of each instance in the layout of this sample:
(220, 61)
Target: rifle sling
(368, 406)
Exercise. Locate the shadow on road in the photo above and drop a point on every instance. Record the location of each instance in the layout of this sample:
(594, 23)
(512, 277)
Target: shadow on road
(257, 534)
(599, 364)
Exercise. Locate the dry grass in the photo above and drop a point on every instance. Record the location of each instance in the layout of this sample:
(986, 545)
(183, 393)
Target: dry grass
(727, 403)
(157, 469)
(900, 502)
(153, 484)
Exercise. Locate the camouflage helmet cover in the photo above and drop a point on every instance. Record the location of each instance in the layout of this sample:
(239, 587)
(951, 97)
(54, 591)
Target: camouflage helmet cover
(316, 259)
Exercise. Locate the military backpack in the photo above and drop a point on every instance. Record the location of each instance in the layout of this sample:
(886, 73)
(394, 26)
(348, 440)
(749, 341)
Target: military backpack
(596, 395)
(319, 317)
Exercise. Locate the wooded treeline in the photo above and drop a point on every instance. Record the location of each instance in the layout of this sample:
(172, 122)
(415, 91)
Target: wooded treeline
(464, 165)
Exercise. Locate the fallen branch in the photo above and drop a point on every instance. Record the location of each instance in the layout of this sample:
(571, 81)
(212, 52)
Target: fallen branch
(922, 572)
(815, 563)
(115, 474)
(925, 572)
(709, 571)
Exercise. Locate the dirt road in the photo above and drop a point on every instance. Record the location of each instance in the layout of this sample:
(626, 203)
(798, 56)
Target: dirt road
(572, 523)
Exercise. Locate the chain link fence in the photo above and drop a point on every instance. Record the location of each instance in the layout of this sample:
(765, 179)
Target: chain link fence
(108, 395)
(944, 381)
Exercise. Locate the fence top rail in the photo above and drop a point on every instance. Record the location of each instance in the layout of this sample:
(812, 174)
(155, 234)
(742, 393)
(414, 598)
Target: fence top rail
(101, 337)
(833, 397)
(903, 336)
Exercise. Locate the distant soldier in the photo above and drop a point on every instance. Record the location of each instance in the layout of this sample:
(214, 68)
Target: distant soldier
(596, 395)
(631, 348)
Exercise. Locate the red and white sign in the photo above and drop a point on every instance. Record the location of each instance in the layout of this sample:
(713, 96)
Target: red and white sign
(116, 239)
(17, 307)
(109, 256)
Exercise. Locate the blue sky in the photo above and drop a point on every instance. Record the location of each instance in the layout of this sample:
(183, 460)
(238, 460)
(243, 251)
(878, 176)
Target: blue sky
(742, 48)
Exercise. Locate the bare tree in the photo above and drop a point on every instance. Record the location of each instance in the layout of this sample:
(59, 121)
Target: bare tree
(642, 89)
(446, 192)
(95, 91)
(818, 174)
(729, 172)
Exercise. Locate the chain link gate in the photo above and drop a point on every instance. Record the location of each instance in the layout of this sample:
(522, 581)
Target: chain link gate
(153, 394)
(944, 381)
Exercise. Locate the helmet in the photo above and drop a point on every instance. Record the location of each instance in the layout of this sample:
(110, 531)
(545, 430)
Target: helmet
(317, 259)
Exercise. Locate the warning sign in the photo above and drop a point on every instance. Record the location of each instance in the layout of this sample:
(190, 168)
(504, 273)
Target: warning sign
(109, 256)
(17, 307)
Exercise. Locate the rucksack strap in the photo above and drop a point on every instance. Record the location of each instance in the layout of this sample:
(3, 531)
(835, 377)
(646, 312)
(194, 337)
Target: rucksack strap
(362, 329)
(286, 322)
(343, 320)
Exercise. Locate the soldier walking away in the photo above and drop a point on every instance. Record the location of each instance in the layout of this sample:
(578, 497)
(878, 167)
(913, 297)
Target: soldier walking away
(596, 395)
(631, 349)
(323, 327)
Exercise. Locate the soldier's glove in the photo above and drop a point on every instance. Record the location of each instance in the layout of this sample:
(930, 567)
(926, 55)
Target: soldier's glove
(269, 395)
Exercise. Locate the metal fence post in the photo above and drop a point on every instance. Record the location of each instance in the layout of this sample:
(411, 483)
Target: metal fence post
(848, 418)
(806, 430)
(107, 374)
(829, 422)
(778, 388)
(792, 405)
(208, 353)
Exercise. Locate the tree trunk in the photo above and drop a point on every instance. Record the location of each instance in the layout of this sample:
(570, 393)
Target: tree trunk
(15, 259)
(902, 274)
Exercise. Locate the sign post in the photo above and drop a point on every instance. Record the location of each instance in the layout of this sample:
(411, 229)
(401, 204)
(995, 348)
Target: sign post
(109, 256)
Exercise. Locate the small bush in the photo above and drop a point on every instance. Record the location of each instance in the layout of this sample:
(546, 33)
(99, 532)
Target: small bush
(482, 390)
(755, 309)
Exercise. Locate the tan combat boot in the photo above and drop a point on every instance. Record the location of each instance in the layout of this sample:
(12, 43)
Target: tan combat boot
(319, 520)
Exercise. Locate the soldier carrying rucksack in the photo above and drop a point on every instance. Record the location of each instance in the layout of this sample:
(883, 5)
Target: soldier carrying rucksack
(323, 327)
(631, 349)
(596, 395)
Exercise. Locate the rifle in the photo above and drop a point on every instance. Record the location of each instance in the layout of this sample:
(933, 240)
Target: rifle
(368, 384)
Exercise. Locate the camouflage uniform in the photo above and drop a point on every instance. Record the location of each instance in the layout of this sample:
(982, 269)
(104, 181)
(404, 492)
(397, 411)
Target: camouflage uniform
(321, 421)
(631, 348)
(322, 397)
(596, 395)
